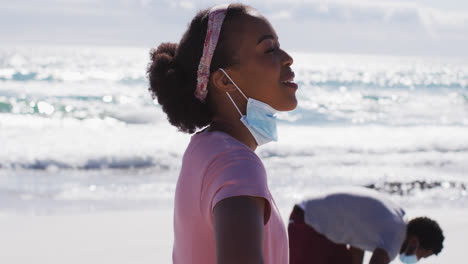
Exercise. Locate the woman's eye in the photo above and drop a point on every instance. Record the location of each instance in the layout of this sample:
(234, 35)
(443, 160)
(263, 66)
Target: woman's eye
(271, 50)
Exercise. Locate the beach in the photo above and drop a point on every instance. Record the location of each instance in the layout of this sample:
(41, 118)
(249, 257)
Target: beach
(89, 162)
(125, 237)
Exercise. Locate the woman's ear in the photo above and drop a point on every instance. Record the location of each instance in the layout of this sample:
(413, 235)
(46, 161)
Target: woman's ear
(221, 82)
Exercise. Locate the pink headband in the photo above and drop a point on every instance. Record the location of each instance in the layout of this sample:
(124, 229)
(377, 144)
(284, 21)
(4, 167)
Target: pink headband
(215, 21)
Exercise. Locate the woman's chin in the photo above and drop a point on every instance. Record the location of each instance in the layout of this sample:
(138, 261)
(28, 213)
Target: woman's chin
(291, 105)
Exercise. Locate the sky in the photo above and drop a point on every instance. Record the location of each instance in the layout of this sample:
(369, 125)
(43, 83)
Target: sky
(396, 27)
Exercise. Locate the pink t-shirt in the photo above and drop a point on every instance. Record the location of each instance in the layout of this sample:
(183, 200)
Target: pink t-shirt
(216, 166)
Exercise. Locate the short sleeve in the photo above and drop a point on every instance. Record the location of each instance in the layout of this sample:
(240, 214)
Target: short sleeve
(230, 174)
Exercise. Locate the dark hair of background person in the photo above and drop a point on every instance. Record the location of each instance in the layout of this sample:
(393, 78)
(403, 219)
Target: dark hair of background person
(428, 232)
(172, 71)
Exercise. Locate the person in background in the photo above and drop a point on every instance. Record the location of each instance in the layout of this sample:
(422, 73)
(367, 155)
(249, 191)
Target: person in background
(337, 227)
(225, 80)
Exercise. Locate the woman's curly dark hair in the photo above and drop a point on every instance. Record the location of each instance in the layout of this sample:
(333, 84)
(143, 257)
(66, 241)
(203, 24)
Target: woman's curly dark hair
(428, 232)
(172, 71)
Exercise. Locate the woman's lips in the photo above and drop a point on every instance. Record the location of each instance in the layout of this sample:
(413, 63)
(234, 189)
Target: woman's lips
(289, 80)
(290, 84)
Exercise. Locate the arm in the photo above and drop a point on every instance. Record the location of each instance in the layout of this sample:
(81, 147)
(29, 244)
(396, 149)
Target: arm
(357, 255)
(379, 256)
(239, 230)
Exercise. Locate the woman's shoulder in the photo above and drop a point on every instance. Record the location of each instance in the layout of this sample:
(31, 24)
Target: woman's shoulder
(216, 142)
(209, 150)
(218, 161)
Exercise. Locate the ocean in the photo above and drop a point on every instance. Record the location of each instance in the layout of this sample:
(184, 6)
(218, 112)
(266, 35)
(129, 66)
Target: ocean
(79, 131)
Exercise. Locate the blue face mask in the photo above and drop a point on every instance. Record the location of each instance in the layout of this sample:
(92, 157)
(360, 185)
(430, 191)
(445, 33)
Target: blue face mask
(259, 119)
(411, 259)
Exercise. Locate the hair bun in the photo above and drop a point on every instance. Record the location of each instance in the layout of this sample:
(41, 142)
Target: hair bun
(163, 58)
(161, 70)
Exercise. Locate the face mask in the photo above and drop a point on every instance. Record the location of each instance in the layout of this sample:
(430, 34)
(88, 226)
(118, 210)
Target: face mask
(259, 119)
(411, 259)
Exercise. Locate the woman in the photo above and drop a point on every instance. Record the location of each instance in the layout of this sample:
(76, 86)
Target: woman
(227, 76)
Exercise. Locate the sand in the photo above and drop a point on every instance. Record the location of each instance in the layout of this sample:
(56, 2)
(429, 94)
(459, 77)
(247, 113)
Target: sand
(105, 237)
(145, 236)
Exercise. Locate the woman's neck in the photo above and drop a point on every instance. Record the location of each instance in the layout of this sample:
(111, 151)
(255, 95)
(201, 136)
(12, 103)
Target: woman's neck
(235, 129)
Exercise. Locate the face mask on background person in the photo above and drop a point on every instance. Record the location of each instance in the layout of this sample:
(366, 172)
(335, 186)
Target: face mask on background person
(259, 118)
(408, 259)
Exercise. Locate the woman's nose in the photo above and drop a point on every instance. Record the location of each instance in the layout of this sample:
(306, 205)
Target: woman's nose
(287, 59)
